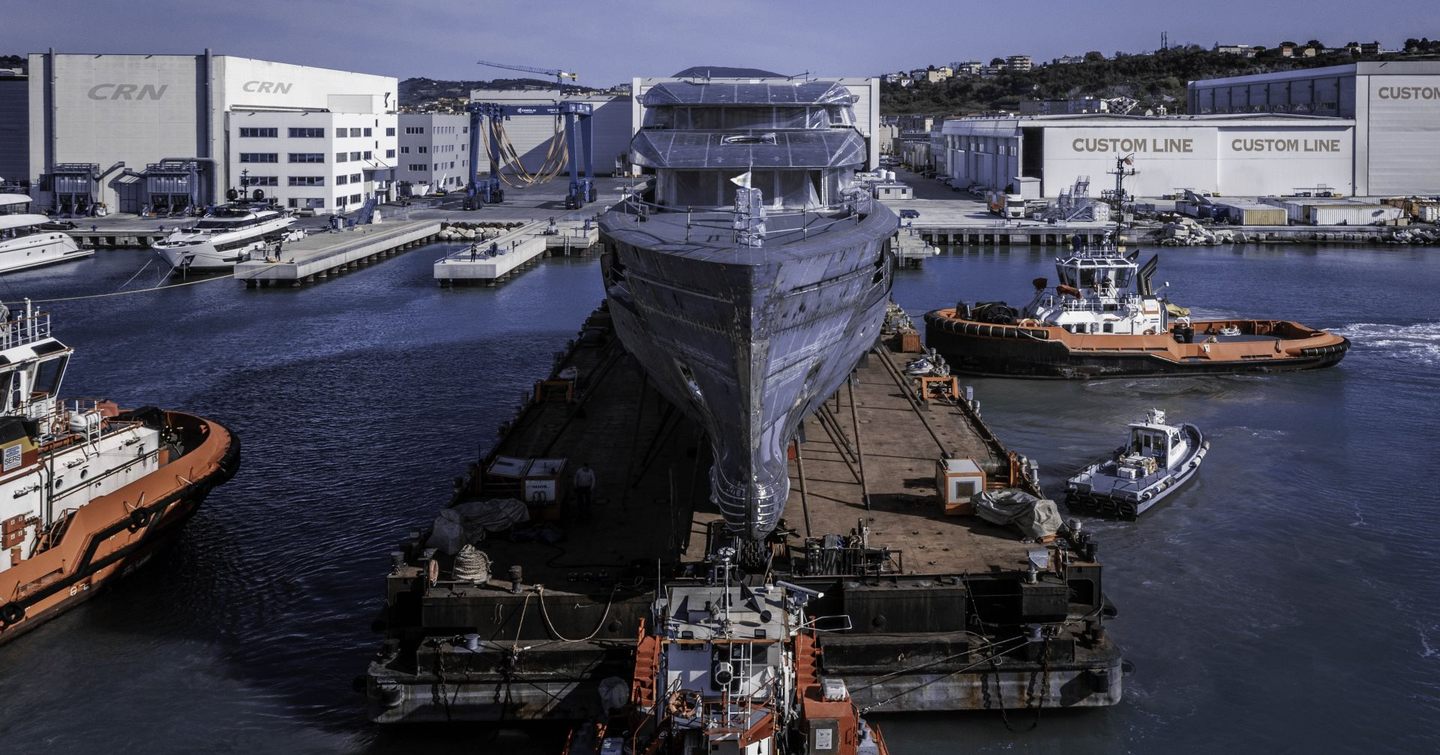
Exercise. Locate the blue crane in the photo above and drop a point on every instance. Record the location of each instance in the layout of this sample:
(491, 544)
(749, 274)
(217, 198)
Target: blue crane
(490, 191)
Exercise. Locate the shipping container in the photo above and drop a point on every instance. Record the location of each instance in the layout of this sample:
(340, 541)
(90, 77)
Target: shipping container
(1351, 214)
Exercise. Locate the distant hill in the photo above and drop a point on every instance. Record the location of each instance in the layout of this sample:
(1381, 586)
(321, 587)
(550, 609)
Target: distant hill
(1154, 79)
(418, 92)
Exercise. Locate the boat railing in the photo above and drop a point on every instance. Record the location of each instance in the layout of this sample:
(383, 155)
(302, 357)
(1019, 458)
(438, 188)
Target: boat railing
(807, 221)
(23, 330)
(1071, 304)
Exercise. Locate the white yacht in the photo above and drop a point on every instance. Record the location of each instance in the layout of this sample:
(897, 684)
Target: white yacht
(25, 244)
(224, 236)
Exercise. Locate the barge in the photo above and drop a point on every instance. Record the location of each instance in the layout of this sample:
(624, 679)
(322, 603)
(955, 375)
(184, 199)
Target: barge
(916, 606)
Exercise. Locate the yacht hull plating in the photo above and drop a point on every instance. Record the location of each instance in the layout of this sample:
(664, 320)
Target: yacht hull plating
(1039, 351)
(747, 341)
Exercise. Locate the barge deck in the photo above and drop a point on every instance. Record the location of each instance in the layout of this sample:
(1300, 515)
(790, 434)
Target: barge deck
(921, 610)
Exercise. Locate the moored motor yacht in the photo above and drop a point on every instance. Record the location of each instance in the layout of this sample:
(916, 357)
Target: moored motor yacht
(224, 236)
(26, 243)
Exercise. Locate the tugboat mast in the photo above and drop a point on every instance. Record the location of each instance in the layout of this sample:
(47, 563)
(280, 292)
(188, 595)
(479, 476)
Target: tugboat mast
(1121, 172)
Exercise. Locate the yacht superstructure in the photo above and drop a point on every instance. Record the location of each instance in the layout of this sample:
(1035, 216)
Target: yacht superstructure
(753, 274)
(224, 236)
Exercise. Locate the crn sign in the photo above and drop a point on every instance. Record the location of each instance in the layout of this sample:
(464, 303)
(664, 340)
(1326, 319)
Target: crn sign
(267, 87)
(128, 91)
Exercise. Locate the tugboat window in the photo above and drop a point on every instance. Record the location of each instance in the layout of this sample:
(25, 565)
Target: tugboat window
(48, 375)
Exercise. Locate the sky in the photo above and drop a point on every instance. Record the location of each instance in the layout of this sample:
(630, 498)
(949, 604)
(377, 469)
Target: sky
(608, 43)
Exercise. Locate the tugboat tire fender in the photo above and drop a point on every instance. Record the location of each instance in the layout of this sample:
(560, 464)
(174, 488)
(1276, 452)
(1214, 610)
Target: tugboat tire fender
(11, 613)
(139, 518)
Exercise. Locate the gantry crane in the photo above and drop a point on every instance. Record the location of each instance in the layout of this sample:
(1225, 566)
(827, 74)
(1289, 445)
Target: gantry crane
(490, 192)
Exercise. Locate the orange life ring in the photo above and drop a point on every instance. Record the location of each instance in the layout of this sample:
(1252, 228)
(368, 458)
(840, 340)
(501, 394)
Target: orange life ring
(1028, 323)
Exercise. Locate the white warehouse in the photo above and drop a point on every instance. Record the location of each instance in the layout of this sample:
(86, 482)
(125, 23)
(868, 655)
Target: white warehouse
(1227, 154)
(1395, 106)
(161, 132)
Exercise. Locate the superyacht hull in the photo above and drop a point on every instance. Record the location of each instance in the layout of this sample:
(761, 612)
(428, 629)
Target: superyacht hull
(747, 340)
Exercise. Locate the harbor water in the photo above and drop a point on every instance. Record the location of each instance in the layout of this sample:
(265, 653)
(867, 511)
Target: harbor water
(1283, 602)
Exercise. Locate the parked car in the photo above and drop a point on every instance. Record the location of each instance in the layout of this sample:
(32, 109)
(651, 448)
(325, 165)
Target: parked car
(909, 214)
(57, 225)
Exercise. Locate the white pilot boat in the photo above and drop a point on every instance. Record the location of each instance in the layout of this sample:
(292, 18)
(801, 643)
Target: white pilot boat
(25, 243)
(1156, 461)
(224, 236)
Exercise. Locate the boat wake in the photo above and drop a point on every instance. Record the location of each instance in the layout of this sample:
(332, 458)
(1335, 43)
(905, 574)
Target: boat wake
(1418, 343)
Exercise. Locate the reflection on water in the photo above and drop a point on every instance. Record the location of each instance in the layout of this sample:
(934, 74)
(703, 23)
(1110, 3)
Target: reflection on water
(1297, 562)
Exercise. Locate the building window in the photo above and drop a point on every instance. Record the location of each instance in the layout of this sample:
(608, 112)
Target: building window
(414, 129)
(342, 180)
(354, 197)
(368, 153)
(259, 157)
(355, 132)
(307, 180)
(390, 131)
(262, 181)
(354, 155)
(418, 167)
(356, 178)
(390, 153)
(404, 150)
(258, 133)
(292, 202)
(422, 149)
(307, 133)
(367, 132)
(341, 157)
(340, 132)
(307, 157)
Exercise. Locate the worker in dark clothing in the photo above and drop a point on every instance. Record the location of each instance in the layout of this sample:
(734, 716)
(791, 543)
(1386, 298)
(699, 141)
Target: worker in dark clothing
(584, 489)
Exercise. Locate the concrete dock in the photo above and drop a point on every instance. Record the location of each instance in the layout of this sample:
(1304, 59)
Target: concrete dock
(320, 255)
(494, 259)
(921, 600)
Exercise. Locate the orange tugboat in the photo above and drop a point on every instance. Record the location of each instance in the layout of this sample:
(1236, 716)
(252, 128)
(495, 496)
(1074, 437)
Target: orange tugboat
(728, 667)
(1104, 319)
(86, 491)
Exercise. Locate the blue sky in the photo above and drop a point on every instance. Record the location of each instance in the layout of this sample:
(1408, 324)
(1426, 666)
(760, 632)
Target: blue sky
(609, 42)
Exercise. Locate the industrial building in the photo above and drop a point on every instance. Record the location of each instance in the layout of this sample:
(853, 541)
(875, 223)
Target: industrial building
(14, 128)
(1395, 107)
(1227, 155)
(131, 133)
(1364, 129)
(434, 153)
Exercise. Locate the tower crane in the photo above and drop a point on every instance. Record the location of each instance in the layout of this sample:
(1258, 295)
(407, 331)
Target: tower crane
(559, 75)
(582, 190)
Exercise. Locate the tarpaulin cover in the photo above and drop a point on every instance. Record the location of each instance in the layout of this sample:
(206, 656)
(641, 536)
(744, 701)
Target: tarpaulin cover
(468, 522)
(692, 150)
(1035, 517)
(673, 93)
